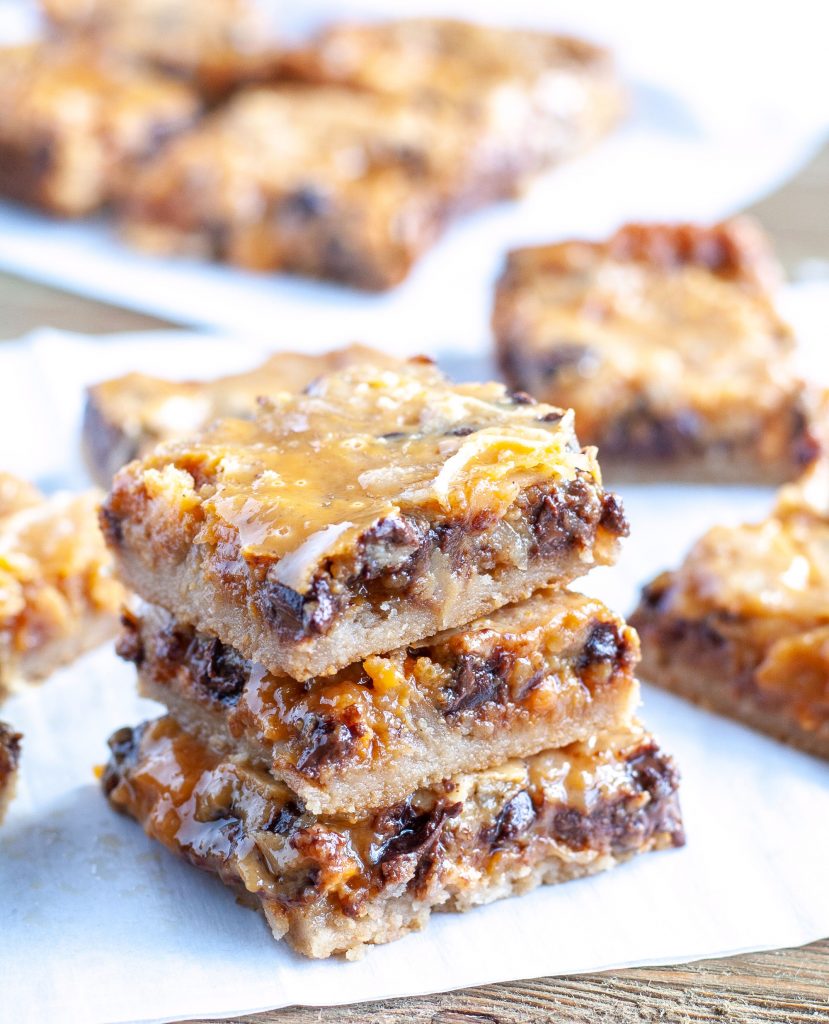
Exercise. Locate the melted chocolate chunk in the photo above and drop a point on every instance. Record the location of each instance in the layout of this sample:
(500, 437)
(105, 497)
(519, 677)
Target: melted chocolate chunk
(129, 645)
(476, 682)
(411, 835)
(393, 547)
(329, 743)
(112, 526)
(566, 517)
(219, 670)
(604, 644)
(515, 818)
(305, 203)
(295, 615)
(613, 515)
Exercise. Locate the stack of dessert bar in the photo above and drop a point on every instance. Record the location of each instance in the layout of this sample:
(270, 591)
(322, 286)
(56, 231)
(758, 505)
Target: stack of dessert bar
(381, 697)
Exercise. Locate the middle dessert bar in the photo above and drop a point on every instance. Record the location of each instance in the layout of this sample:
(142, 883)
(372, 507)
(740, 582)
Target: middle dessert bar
(551, 670)
(374, 510)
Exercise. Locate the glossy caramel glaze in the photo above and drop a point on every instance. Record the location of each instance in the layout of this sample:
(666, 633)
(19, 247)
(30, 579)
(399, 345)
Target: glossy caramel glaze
(609, 797)
(300, 484)
(128, 416)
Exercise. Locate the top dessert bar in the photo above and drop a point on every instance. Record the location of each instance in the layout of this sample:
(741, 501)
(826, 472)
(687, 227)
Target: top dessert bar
(666, 342)
(216, 45)
(127, 416)
(376, 509)
(57, 594)
(72, 122)
(323, 182)
(743, 624)
(534, 98)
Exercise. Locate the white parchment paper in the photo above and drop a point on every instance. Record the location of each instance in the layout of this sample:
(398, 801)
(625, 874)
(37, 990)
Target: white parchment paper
(727, 101)
(98, 924)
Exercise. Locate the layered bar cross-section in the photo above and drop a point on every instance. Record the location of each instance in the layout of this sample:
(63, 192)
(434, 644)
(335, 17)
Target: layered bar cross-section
(556, 668)
(376, 509)
(333, 885)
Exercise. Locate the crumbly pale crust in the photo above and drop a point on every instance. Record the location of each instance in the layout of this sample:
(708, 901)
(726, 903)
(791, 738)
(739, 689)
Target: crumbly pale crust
(321, 182)
(534, 98)
(216, 45)
(376, 509)
(554, 669)
(58, 597)
(666, 342)
(332, 885)
(743, 624)
(9, 759)
(75, 123)
(128, 416)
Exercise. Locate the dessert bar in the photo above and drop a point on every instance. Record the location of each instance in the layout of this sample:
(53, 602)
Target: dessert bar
(533, 98)
(743, 625)
(666, 342)
(332, 885)
(554, 669)
(215, 45)
(378, 508)
(73, 124)
(58, 597)
(322, 182)
(9, 759)
(127, 416)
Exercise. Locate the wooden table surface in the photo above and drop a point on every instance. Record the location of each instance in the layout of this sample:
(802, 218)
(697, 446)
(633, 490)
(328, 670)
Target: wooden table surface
(784, 987)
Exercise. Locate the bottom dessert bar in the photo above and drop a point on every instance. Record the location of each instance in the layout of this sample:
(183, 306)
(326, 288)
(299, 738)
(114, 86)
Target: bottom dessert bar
(9, 758)
(332, 885)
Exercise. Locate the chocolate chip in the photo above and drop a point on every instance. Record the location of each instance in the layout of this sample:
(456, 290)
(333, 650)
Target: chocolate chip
(565, 517)
(394, 435)
(306, 203)
(283, 820)
(129, 645)
(613, 515)
(521, 398)
(476, 682)
(412, 833)
(602, 645)
(554, 416)
(330, 743)
(462, 431)
(219, 670)
(295, 615)
(515, 818)
(112, 526)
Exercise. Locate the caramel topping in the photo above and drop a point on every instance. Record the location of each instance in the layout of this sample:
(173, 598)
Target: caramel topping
(312, 472)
